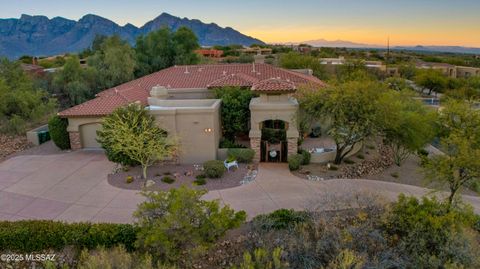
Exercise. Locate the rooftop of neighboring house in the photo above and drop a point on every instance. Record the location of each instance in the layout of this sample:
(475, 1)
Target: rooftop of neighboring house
(32, 68)
(259, 77)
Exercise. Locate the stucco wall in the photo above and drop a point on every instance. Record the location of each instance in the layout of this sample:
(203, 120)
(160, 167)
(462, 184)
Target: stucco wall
(196, 126)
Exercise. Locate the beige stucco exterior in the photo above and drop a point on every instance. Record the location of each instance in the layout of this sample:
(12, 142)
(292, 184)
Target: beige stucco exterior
(196, 124)
(273, 107)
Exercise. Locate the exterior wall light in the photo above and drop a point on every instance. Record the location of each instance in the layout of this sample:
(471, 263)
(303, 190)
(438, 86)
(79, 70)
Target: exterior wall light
(208, 130)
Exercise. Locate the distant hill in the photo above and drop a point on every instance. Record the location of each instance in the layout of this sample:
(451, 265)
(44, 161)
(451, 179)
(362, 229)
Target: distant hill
(451, 49)
(338, 44)
(41, 36)
(419, 48)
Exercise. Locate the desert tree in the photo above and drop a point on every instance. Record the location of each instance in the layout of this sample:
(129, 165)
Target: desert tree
(405, 124)
(351, 108)
(132, 132)
(459, 166)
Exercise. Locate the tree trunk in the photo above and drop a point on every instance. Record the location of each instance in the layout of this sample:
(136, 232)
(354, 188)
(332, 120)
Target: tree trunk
(144, 169)
(451, 197)
(338, 155)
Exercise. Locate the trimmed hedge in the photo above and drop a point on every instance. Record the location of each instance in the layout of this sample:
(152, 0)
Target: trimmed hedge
(214, 169)
(57, 127)
(306, 156)
(38, 235)
(241, 155)
(295, 161)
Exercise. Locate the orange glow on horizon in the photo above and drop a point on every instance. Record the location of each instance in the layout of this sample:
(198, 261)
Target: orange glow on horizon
(398, 37)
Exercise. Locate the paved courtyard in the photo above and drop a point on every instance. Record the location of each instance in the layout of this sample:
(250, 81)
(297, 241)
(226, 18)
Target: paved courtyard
(73, 187)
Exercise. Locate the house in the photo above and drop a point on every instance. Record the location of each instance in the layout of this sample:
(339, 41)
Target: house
(210, 53)
(181, 100)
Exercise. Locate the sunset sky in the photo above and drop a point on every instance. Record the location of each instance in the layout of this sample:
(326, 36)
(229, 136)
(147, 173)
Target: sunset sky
(407, 22)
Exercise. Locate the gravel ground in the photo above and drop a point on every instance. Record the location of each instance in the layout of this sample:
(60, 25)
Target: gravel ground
(183, 175)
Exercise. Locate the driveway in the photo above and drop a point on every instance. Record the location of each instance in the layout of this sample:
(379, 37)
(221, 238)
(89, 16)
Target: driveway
(73, 187)
(70, 187)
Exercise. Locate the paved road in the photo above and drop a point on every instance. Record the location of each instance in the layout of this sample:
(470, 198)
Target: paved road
(74, 187)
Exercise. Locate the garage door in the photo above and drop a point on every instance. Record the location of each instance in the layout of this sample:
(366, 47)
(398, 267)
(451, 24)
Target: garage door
(88, 135)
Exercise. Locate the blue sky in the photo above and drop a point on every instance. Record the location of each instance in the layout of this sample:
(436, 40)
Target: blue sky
(407, 22)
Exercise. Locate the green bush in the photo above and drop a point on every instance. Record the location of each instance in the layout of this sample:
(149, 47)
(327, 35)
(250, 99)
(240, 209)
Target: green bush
(228, 144)
(348, 161)
(214, 169)
(168, 180)
(57, 128)
(431, 234)
(200, 181)
(333, 168)
(281, 219)
(241, 155)
(306, 156)
(295, 161)
(38, 235)
(129, 179)
(360, 156)
(177, 224)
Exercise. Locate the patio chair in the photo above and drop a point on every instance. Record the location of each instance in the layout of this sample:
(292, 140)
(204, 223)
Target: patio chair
(230, 164)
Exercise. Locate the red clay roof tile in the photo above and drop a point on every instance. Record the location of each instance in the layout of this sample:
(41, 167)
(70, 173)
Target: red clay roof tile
(189, 77)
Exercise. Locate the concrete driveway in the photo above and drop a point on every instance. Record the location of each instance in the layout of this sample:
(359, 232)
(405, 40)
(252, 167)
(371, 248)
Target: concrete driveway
(73, 187)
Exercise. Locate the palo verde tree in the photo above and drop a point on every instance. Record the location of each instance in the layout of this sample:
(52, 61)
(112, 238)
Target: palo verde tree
(406, 124)
(132, 132)
(432, 80)
(351, 108)
(459, 167)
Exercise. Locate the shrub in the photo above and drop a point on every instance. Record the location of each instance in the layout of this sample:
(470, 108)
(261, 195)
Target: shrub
(306, 156)
(242, 155)
(431, 234)
(294, 162)
(360, 156)
(281, 219)
(348, 161)
(57, 128)
(178, 223)
(129, 179)
(201, 176)
(116, 257)
(263, 259)
(227, 144)
(214, 169)
(200, 181)
(38, 235)
(168, 180)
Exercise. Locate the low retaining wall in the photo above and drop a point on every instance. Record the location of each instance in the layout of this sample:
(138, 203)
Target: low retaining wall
(326, 157)
(33, 135)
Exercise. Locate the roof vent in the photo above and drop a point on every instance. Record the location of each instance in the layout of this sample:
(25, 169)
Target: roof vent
(186, 70)
(224, 73)
(253, 70)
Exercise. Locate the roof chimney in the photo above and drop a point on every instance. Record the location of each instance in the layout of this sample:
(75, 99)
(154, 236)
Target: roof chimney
(159, 92)
(253, 70)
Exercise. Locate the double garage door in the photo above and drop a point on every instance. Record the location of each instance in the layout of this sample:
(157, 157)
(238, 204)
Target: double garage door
(88, 135)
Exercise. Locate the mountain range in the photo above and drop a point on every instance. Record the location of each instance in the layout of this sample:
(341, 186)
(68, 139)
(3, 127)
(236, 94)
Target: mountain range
(419, 48)
(41, 36)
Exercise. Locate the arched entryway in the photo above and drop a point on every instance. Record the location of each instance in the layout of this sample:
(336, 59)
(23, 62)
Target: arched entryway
(274, 143)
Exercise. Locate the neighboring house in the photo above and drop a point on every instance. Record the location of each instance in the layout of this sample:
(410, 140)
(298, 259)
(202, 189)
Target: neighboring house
(451, 71)
(181, 100)
(331, 63)
(256, 51)
(210, 53)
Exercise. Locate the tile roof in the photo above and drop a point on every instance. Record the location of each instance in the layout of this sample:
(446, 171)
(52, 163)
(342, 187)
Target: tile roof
(191, 77)
(274, 85)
